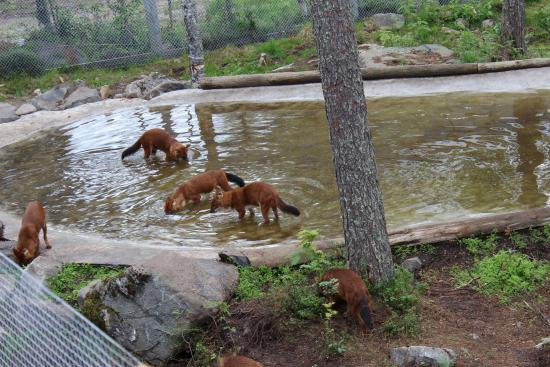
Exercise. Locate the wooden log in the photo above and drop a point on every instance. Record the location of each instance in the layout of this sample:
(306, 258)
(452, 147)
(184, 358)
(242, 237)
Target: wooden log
(491, 67)
(371, 73)
(412, 236)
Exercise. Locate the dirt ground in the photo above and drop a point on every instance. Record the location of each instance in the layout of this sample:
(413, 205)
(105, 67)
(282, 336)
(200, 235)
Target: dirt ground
(482, 331)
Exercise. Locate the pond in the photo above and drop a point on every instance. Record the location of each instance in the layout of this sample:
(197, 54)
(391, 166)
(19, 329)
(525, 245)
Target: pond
(438, 157)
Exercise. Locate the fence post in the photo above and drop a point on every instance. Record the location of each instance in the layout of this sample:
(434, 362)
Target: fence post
(194, 39)
(153, 24)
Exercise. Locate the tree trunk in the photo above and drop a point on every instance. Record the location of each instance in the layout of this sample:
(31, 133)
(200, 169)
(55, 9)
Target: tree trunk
(354, 9)
(304, 7)
(513, 28)
(353, 155)
(194, 40)
(229, 12)
(170, 15)
(42, 13)
(153, 24)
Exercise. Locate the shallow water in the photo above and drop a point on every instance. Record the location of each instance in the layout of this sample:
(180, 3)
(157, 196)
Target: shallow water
(438, 158)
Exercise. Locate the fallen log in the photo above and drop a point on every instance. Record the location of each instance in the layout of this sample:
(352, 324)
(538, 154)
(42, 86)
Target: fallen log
(370, 73)
(274, 255)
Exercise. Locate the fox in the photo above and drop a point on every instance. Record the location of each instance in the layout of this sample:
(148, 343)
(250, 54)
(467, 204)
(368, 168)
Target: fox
(158, 139)
(27, 247)
(203, 183)
(237, 361)
(254, 194)
(353, 290)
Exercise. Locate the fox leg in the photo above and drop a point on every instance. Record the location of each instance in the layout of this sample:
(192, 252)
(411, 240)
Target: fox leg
(242, 213)
(154, 151)
(265, 213)
(251, 211)
(275, 212)
(146, 150)
(45, 230)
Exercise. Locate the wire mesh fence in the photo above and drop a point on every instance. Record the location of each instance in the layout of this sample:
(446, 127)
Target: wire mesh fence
(38, 329)
(44, 34)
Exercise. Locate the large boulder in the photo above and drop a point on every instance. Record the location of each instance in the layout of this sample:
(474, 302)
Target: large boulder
(25, 109)
(153, 85)
(80, 96)
(150, 308)
(52, 100)
(7, 113)
(388, 20)
(420, 356)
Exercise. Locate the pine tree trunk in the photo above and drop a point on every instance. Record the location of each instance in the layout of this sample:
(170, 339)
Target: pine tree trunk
(153, 24)
(353, 155)
(170, 15)
(194, 40)
(42, 13)
(354, 9)
(513, 28)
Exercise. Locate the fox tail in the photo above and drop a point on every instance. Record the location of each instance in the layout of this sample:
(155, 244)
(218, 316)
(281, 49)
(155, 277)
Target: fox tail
(234, 178)
(131, 150)
(287, 208)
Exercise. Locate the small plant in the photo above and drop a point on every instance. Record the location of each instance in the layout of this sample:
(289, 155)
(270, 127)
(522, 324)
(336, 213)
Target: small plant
(334, 344)
(519, 240)
(504, 275)
(477, 246)
(546, 231)
(537, 235)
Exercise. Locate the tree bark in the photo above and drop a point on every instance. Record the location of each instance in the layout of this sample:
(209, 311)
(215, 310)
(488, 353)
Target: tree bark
(194, 40)
(353, 155)
(170, 15)
(42, 13)
(153, 24)
(304, 7)
(513, 28)
(354, 9)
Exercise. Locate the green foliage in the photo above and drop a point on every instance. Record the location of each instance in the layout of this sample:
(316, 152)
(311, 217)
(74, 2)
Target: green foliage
(504, 275)
(73, 277)
(402, 296)
(335, 344)
(478, 47)
(480, 247)
(405, 251)
(20, 62)
(519, 240)
(546, 231)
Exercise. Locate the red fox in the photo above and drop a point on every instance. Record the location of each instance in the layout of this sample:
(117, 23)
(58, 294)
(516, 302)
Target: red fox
(28, 244)
(353, 290)
(255, 194)
(203, 183)
(237, 361)
(158, 139)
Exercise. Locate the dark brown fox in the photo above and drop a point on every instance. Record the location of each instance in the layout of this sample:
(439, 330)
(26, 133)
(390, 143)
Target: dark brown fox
(353, 290)
(254, 194)
(203, 183)
(158, 139)
(27, 247)
(237, 361)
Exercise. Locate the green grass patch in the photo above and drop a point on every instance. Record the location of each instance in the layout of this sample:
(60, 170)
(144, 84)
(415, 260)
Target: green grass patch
(504, 275)
(481, 246)
(73, 277)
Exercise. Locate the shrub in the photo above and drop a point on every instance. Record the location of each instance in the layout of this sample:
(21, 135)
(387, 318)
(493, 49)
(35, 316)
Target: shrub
(17, 61)
(477, 246)
(504, 275)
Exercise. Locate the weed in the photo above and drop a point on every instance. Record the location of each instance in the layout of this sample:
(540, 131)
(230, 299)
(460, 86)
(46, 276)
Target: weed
(537, 235)
(479, 247)
(519, 240)
(335, 344)
(504, 275)
(73, 277)
(546, 231)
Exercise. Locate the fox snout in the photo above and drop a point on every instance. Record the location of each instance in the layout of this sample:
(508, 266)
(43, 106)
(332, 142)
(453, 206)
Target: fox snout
(212, 210)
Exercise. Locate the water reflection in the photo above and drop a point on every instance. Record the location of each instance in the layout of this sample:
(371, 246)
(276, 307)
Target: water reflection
(438, 158)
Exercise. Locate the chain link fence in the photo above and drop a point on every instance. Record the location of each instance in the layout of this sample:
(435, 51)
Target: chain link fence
(40, 330)
(45, 34)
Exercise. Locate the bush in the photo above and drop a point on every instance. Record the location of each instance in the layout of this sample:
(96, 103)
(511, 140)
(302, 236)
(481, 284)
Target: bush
(18, 61)
(477, 246)
(504, 275)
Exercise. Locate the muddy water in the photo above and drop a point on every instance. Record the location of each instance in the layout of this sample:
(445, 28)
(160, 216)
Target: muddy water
(438, 158)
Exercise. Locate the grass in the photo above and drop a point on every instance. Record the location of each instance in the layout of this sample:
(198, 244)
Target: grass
(73, 277)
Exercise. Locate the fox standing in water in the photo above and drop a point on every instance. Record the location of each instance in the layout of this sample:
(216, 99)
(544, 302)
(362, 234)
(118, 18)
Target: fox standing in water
(28, 243)
(158, 139)
(203, 183)
(353, 290)
(254, 194)
(237, 361)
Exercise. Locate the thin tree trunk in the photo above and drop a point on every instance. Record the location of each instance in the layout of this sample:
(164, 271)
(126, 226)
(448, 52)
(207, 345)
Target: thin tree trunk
(42, 13)
(170, 15)
(304, 7)
(513, 28)
(194, 40)
(353, 155)
(354, 9)
(152, 16)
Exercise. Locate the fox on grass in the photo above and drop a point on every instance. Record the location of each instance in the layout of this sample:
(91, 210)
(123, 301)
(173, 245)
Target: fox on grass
(158, 139)
(191, 190)
(353, 290)
(254, 194)
(27, 247)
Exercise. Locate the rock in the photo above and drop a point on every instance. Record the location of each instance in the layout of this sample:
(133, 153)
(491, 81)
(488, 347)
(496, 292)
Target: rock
(412, 264)
(133, 90)
(25, 109)
(449, 30)
(150, 307)
(544, 343)
(474, 336)
(414, 356)
(7, 113)
(376, 55)
(488, 23)
(286, 68)
(105, 92)
(52, 99)
(168, 86)
(80, 96)
(388, 20)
